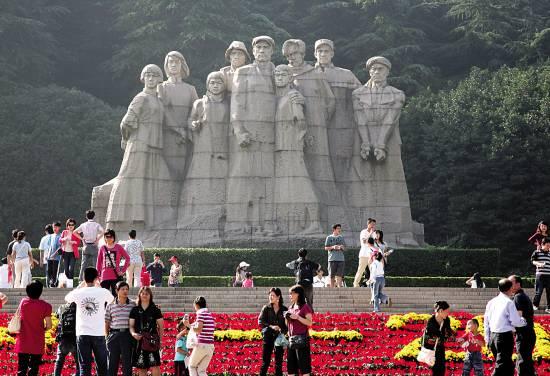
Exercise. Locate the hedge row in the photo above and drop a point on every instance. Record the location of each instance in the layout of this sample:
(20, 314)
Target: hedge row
(419, 262)
(391, 281)
(271, 262)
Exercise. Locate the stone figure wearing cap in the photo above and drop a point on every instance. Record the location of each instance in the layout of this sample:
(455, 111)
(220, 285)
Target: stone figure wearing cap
(177, 97)
(203, 195)
(319, 109)
(253, 103)
(237, 55)
(297, 206)
(341, 128)
(380, 183)
(136, 197)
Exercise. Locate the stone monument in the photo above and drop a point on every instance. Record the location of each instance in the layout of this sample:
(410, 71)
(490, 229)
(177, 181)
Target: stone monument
(267, 157)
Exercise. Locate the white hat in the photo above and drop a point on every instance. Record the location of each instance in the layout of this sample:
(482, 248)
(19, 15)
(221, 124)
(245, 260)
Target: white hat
(263, 38)
(236, 45)
(380, 60)
(321, 42)
(243, 265)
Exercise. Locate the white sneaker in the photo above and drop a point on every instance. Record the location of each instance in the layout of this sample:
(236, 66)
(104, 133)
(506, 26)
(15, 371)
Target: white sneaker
(535, 308)
(547, 310)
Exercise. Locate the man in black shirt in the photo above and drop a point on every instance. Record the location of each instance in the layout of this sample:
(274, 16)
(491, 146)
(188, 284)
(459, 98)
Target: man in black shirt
(304, 270)
(525, 336)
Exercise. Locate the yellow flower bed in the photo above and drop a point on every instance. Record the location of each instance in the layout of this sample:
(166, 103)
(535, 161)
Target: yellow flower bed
(255, 335)
(5, 337)
(396, 322)
(411, 350)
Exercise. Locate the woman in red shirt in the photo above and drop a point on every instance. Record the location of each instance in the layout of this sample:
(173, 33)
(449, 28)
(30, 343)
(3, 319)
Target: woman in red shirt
(35, 321)
(109, 254)
(70, 240)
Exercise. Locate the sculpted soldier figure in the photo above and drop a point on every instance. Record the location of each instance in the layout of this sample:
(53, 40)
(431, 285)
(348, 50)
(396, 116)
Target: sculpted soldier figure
(341, 128)
(296, 205)
(136, 197)
(203, 194)
(377, 157)
(237, 55)
(319, 108)
(177, 97)
(253, 102)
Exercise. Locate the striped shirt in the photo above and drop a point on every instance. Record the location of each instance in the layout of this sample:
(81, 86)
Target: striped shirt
(208, 325)
(542, 256)
(118, 315)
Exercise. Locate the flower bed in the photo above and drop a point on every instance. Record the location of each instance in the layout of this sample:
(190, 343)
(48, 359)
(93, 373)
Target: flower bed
(342, 344)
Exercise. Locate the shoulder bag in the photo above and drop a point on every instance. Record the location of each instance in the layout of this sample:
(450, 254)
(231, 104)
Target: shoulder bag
(14, 325)
(150, 341)
(119, 278)
(426, 355)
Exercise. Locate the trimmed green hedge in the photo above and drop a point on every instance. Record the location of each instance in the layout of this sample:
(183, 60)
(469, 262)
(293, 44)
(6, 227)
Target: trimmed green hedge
(419, 262)
(271, 262)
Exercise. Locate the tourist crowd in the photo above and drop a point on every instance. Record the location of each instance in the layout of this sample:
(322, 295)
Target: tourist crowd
(99, 323)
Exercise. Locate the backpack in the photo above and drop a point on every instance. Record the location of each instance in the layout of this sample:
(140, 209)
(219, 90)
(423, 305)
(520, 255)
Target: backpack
(304, 273)
(67, 322)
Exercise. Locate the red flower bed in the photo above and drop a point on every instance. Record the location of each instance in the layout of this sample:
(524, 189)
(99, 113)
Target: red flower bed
(374, 355)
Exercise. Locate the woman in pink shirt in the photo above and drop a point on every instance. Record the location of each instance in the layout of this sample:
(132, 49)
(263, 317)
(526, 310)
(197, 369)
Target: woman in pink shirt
(35, 321)
(108, 262)
(70, 240)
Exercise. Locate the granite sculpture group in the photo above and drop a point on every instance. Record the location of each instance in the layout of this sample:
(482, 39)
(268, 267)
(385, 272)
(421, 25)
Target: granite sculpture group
(268, 156)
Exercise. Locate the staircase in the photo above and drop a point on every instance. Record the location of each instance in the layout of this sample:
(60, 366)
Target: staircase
(228, 299)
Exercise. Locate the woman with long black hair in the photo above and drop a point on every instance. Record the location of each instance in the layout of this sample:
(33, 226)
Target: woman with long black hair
(299, 319)
(438, 331)
(272, 322)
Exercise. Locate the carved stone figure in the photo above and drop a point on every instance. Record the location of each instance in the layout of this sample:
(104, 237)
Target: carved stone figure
(202, 202)
(137, 198)
(250, 184)
(380, 187)
(237, 55)
(177, 97)
(297, 208)
(341, 128)
(319, 108)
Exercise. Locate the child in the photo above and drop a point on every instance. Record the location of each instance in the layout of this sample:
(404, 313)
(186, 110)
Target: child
(319, 280)
(145, 277)
(472, 341)
(175, 272)
(248, 282)
(181, 354)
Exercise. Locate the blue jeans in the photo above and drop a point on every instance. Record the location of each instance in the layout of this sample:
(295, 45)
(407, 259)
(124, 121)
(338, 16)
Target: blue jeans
(473, 360)
(86, 345)
(377, 293)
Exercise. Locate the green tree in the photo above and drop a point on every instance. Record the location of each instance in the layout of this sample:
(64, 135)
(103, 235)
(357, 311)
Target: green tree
(56, 145)
(475, 157)
(28, 49)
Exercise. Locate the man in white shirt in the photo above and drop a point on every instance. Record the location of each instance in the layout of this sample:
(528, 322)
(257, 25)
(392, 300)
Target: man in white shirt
(44, 248)
(90, 301)
(91, 232)
(365, 255)
(501, 317)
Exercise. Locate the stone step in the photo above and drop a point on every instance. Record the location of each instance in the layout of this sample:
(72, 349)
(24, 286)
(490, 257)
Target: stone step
(228, 299)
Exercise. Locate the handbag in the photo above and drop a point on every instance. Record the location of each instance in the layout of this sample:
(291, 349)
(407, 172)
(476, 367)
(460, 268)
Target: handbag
(14, 325)
(119, 278)
(298, 341)
(192, 340)
(281, 341)
(426, 355)
(150, 341)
